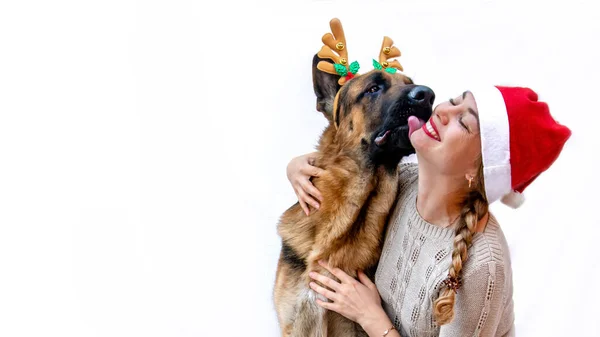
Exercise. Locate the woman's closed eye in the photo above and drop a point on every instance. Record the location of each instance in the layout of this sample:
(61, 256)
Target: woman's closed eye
(460, 120)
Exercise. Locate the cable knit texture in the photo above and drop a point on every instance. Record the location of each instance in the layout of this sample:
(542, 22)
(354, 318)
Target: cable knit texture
(415, 260)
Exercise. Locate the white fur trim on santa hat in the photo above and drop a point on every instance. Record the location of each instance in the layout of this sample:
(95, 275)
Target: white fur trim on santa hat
(513, 199)
(495, 141)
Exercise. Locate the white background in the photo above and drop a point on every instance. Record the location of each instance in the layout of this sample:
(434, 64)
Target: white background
(143, 147)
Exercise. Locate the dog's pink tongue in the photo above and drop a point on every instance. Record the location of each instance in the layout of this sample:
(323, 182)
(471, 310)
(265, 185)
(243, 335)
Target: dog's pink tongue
(414, 124)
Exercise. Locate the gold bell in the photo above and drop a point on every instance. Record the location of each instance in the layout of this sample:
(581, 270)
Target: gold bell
(387, 50)
(339, 46)
(385, 64)
(343, 61)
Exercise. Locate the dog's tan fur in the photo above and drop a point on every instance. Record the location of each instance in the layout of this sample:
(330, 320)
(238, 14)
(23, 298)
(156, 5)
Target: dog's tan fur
(348, 228)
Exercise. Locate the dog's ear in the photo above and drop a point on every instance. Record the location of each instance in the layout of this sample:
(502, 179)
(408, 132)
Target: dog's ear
(326, 87)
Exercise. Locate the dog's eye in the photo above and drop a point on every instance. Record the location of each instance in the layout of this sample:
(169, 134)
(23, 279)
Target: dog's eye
(374, 89)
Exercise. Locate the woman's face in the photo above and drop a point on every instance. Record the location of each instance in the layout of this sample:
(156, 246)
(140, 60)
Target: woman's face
(450, 139)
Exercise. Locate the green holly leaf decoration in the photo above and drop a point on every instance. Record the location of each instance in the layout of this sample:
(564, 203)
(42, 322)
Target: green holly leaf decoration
(376, 65)
(354, 66)
(391, 70)
(340, 69)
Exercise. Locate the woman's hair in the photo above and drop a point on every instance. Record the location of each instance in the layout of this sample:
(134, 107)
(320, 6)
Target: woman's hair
(474, 207)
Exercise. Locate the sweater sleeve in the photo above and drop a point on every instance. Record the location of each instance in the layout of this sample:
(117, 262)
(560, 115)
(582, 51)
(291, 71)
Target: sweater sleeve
(479, 305)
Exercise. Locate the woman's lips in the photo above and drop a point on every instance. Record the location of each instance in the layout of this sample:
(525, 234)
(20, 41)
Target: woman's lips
(431, 130)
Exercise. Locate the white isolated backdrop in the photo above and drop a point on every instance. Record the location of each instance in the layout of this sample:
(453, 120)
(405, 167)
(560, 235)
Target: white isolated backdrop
(143, 147)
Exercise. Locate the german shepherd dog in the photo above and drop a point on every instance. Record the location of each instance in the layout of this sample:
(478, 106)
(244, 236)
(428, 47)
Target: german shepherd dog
(359, 150)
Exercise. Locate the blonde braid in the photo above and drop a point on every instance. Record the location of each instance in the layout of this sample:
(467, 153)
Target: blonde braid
(474, 208)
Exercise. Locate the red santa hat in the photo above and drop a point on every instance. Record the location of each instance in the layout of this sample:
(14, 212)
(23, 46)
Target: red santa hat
(519, 140)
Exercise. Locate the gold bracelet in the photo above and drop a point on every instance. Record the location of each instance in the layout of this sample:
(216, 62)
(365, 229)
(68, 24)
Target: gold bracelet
(388, 331)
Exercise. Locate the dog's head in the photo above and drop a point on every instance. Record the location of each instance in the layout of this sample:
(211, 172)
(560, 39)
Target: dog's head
(370, 112)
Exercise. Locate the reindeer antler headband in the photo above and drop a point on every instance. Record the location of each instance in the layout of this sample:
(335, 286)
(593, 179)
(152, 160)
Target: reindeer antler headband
(335, 48)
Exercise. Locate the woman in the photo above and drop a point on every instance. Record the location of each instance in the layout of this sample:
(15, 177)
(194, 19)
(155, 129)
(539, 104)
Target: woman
(445, 267)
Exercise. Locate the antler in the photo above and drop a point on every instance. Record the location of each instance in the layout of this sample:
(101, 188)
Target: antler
(388, 51)
(335, 49)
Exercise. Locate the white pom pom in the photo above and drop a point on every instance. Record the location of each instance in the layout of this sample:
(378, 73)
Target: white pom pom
(513, 199)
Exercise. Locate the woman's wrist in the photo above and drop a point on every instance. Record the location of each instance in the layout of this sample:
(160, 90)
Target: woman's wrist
(376, 323)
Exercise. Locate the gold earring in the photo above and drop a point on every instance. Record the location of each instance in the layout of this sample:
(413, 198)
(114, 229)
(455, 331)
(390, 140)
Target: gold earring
(470, 181)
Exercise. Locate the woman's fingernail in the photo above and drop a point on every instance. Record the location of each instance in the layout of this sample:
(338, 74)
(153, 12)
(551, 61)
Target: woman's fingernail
(321, 262)
(311, 274)
(316, 206)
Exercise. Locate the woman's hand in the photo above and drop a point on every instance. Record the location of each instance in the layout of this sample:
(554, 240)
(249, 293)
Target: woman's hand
(299, 172)
(357, 301)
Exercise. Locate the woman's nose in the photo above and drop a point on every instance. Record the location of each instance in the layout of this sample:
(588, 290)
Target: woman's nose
(443, 112)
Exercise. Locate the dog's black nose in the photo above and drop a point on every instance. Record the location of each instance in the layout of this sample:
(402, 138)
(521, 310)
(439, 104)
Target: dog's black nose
(421, 95)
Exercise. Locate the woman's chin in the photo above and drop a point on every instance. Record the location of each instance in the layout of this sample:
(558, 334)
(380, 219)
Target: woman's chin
(425, 147)
(419, 140)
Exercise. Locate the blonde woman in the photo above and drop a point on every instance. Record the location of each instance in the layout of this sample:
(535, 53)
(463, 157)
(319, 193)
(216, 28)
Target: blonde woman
(445, 267)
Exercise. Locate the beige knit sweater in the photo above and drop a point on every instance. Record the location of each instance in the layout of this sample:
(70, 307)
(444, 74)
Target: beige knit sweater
(415, 260)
